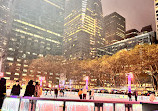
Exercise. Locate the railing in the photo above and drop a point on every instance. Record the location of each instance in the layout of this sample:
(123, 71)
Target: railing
(14, 103)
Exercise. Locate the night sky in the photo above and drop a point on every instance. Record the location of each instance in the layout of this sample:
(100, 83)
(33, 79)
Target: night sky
(138, 13)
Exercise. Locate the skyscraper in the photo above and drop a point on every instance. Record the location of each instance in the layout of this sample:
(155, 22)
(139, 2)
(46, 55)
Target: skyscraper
(156, 16)
(36, 30)
(83, 28)
(114, 28)
(5, 8)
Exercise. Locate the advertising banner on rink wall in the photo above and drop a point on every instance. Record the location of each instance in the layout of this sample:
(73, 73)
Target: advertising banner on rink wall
(49, 105)
(137, 107)
(119, 107)
(108, 107)
(79, 106)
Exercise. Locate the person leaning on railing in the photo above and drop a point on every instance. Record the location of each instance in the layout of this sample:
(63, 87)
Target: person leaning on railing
(2, 90)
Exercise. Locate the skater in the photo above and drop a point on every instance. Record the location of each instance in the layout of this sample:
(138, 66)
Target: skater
(136, 95)
(80, 93)
(56, 93)
(130, 96)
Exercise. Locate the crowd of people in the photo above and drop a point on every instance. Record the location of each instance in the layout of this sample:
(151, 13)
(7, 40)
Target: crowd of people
(151, 98)
(36, 91)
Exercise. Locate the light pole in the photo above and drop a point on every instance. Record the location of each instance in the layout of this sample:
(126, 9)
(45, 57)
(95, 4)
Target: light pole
(41, 79)
(86, 78)
(130, 76)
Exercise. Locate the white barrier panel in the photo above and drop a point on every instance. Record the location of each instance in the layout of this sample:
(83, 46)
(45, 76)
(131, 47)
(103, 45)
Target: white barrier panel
(137, 107)
(24, 106)
(11, 104)
(43, 105)
(108, 107)
(79, 106)
(119, 107)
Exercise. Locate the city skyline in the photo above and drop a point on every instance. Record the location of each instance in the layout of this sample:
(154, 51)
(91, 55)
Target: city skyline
(138, 13)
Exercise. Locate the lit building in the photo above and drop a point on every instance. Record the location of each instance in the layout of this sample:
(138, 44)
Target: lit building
(114, 28)
(129, 43)
(83, 29)
(146, 29)
(156, 16)
(5, 8)
(36, 30)
(131, 33)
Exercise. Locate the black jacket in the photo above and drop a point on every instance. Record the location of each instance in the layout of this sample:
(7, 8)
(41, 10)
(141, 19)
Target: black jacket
(16, 90)
(2, 87)
(30, 89)
(56, 91)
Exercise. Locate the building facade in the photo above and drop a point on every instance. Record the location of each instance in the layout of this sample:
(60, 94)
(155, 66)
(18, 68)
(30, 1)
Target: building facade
(129, 43)
(83, 29)
(131, 33)
(114, 28)
(156, 16)
(5, 11)
(36, 31)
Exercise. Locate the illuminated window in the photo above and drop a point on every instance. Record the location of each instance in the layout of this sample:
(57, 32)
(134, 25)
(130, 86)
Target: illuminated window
(15, 78)
(19, 60)
(7, 78)
(18, 64)
(10, 58)
(24, 74)
(16, 74)
(24, 70)
(9, 73)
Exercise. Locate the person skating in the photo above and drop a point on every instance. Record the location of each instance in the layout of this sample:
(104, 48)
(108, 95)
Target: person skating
(56, 92)
(130, 96)
(152, 97)
(16, 89)
(91, 94)
(80, 93)
(136, 95)
(84, 92)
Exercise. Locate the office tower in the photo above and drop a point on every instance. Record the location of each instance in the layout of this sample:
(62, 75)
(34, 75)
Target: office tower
(156, 16)
(36, 30)
(83, 29)
(5, 8)
(131, 33)
(114, 28)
